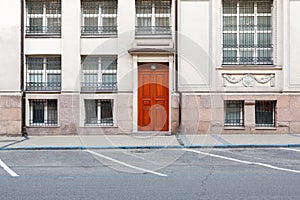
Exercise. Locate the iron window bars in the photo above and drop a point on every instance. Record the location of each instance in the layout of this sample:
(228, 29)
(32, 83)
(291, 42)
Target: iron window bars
(234, 113)
(99, 74)
(43, 17)
(99, 17)
(265, 113)
(153, 17)
(247, 32)
(43, 74)
(98, 112)
(43, 112)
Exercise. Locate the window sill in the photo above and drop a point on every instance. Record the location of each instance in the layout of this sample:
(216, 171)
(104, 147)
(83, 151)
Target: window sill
(43, 35)
(249, 67)
(266, 128)
(234, 128)
(42, 126)
(151, 36)
(99, 36)
(99, 126)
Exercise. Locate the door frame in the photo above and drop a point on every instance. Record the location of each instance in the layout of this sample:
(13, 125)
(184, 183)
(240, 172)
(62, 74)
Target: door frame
(151, 59)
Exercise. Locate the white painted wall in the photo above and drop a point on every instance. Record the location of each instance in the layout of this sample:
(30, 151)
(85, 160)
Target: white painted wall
(10, 51)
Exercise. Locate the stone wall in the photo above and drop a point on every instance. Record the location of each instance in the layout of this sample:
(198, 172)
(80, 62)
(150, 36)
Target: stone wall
(10, 115)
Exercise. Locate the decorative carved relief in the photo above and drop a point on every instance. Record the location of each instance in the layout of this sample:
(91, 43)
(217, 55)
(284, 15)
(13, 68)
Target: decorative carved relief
(249, 80)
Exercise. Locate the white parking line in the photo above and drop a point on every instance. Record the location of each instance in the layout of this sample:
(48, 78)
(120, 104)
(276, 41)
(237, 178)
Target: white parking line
(289, 149)
(243, 161)
(125, 164)
(7, 169)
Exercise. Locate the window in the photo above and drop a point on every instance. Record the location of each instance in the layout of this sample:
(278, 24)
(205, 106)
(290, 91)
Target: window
(99, 74)
(265, 113)
(153, 17)
(234, 113)
(43, 17)
(43, 112)
(99, 17)
(99, 112)
(247, 32)
(43, 73)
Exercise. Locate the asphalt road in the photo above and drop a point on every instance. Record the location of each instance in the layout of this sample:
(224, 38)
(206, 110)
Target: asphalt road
(272, 173)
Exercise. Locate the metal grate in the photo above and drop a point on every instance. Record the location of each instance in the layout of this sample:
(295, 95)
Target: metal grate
(99, 74)
(265, 113)
(99, 17)
(43, 73)
(43, 17)
(247, 32)
(43, 112)
(99, 112)
(234, 113)
(153, 17)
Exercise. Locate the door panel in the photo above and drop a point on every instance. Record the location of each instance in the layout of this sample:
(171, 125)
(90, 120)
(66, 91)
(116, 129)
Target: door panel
(153, 97)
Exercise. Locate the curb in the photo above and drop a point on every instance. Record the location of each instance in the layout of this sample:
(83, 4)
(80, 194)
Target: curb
(152, 147)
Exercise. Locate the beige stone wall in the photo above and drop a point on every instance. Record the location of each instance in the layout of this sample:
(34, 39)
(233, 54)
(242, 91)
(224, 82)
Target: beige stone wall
(10, 115)
(209, 111)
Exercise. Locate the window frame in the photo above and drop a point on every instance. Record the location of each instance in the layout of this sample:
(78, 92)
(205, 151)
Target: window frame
(43, 85)
(44, 122)
(239, 116)
(45, 17)
(236, 49)
(272, 111)
(99, 121)
(100, 16)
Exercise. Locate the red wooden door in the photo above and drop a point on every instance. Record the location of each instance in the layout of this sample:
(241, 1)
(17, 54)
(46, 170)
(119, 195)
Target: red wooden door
(153, 97)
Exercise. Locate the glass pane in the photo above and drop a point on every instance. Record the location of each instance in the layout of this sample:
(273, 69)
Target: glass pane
(162, 7)
(35, 7)
(230, 56)
(52, 112)
(264, 6)
(246, 23)
(264, 56)
(264, 23)
(90, 78)
(246, 7)
(53, 7)
(108, 63)
(109, 78)
(144, 21)
(230, 23)
(229, 40)
(36, 78)
(35, 63)
(246, 56)
(106, 111)
(229, 7)
(109, 7)
(143, 6)
(109, 21)
(90, 63)
(247, 40)
(53, 22)
(264, 40)
(53, 78)
(36, 22)
(90, 21)
(91, 111)
(162, 21)
(53, 63)
(38, 112)
(90, 7)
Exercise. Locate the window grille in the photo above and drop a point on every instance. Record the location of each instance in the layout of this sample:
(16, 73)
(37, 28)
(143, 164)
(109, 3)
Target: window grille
(43, 73)
(99, 74)
(99, 17)
(234, 113)
(265, 113)
(247, 32)
(43, 112)
(153, 17)
(99, 112)
(43, 17)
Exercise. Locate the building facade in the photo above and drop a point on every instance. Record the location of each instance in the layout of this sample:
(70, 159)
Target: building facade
(121, 67)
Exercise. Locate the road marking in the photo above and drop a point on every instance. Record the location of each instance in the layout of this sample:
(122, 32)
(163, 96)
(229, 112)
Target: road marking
(297, 150)
(244, 162)
(125, 164)
(7, 169)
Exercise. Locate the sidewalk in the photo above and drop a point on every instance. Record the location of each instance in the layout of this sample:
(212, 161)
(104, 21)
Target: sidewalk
(150, 141)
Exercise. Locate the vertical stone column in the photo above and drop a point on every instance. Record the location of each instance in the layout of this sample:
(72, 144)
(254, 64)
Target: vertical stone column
(249, 114)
